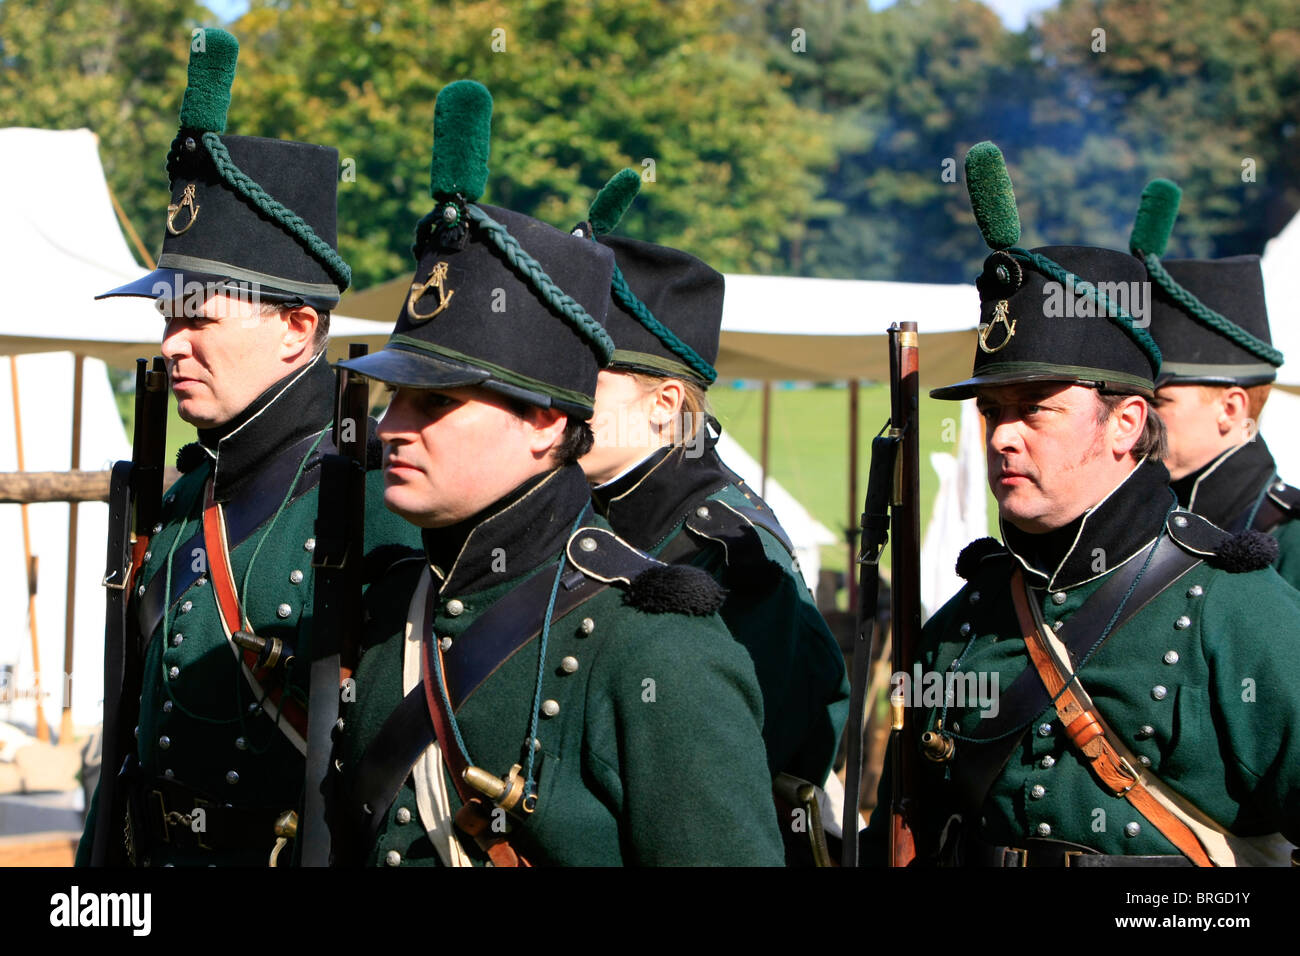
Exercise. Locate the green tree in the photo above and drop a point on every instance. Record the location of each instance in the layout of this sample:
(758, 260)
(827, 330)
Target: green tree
(908, 89)
(1190, 90)
(580, 90)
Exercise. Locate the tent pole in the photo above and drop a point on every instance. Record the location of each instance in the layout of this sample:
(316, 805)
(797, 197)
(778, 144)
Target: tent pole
(765, 437)
(42, 728)
(852, 528)
(65, 720)
(130, 230)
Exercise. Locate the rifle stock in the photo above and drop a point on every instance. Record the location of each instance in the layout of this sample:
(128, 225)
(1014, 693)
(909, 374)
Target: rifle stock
(337, 614)
(135, 502)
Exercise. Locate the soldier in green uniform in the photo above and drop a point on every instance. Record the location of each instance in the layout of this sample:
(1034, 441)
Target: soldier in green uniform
(246, 280)
(1209, 318)
(1112, 686)
(657, 478)
(533, 689)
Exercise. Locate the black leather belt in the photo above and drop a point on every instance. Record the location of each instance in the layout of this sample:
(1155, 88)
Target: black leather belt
(166, 812)
(1057, 853)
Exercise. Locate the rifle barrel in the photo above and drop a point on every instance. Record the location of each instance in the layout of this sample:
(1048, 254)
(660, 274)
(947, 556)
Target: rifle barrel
(905, 560)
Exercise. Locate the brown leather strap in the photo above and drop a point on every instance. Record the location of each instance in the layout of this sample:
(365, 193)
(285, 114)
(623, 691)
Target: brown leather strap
(1088, 732)
(474, 818)
(232, 615)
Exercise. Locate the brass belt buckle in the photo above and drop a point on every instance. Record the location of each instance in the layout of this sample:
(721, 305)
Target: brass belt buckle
(1070, 855)
(1129, 771)
(1014, 853)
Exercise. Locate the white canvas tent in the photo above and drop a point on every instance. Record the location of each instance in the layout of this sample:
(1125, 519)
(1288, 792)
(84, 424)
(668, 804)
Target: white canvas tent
(1281, 266)
(45, 398)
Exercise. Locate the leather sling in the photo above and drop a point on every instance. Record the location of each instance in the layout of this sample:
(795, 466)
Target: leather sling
(994, 740)
(233, 619)
(1108, 759)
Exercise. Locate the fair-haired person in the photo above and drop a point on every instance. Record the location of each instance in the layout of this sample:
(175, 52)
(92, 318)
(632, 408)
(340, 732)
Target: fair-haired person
(1142, 656)
(658, 479)
(533, 690)
(1210, 320)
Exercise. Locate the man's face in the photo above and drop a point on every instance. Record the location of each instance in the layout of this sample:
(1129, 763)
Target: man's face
(449, 454)
(1048, 459)
(1194, 419)
(222, 355)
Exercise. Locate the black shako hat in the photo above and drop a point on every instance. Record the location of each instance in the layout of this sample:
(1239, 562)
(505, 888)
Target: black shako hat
(1069, 314)
(1208, 315)
(665, 314)
(255, 216)
(499, 299)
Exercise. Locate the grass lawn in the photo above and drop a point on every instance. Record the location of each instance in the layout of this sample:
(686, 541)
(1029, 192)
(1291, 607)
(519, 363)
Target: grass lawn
(809, 446)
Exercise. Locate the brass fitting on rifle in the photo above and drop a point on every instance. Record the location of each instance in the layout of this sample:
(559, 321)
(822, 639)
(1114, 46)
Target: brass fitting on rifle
(937, 747)
(286, 828)
(897, 708)
(270, 652)
(286, 824)
(506, 793)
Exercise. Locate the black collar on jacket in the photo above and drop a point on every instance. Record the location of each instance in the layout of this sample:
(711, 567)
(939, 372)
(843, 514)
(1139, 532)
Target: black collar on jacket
(1229, 487)
(1119, 527)
(298, 405)
(512, 536)
(645, 505)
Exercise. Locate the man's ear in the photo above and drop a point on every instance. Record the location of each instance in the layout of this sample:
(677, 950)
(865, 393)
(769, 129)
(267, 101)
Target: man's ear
(1234, 408)
(301, 322)
(547, 426)
(1129, 420)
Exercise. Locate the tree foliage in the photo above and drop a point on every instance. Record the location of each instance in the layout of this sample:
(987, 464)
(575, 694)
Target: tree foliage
(809, 136)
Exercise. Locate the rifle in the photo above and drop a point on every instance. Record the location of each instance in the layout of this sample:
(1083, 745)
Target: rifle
(893, 489)
(135, 501)
(338, 615)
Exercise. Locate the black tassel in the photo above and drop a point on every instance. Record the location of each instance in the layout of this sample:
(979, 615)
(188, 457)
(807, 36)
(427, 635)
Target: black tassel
(1248, 551)
(191, 456)
(675, 589)
(968, 561)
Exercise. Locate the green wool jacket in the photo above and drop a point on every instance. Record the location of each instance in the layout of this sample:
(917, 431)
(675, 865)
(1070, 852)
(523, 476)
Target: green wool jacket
(769, 609)
(648, 751)
(1241, 487)
(1199, 685)
(201, 724)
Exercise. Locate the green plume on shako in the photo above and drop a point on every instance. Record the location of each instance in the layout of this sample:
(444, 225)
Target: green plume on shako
(613, 200)
(1154, 222)
(211, 75)
(992, 199)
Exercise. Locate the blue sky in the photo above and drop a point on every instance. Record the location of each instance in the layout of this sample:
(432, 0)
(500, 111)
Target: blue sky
(1014, 13)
